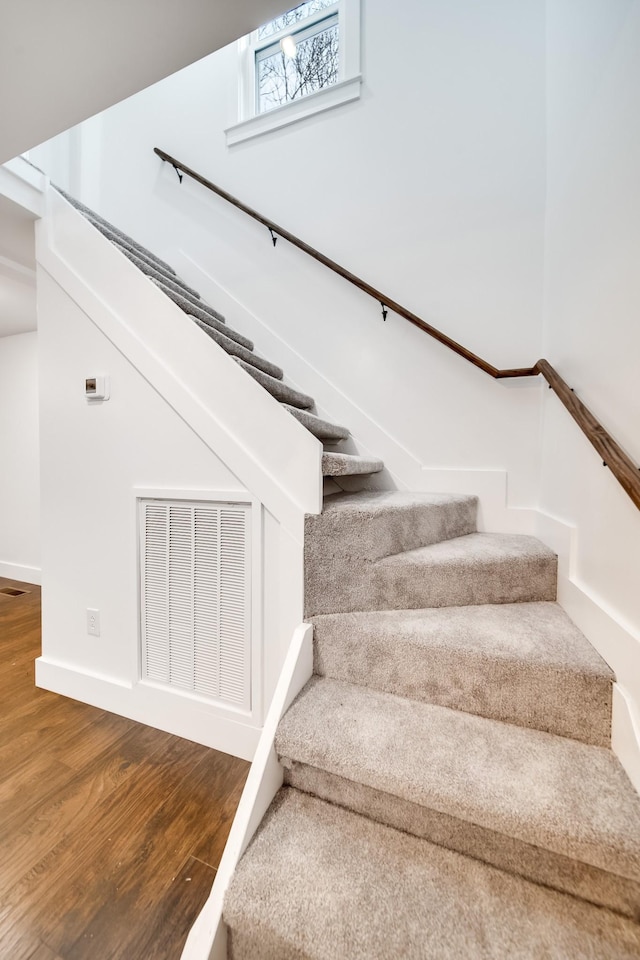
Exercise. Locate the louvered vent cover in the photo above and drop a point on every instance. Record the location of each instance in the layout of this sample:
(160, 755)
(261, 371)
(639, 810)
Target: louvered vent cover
(195, 586)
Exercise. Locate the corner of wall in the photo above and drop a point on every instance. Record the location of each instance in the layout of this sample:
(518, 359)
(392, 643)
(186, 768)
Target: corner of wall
(616, 641)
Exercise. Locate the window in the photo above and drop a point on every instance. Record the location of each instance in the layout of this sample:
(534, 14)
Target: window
(302, 62)
(299, 54)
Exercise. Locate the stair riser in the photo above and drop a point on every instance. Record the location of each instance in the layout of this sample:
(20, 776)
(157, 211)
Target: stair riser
(513, 856)
(206, 314)
(322, 429)
(342, 586)
(556, 701)
(347, 465)
(174, 283)
(409, 586)
(280, 391)
(340, 549)
(371, 535)
(253, 944)
(514, 581)
(129, 250)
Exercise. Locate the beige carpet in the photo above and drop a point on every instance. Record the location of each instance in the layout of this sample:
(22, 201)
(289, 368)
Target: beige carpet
(458, 724)
(324, 883)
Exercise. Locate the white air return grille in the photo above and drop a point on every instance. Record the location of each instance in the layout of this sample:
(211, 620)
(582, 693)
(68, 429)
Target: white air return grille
(195, 582)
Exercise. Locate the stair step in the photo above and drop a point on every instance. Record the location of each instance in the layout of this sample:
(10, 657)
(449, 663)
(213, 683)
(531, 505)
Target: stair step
(278, 389)
(370, 525)
(356, 530)
(349, 465)
(202, 311)
(236, 350)
(97, 219)
(523, 663)
(553, 810)
(321, 882)
(476, 568)
(322, 429)
(173, 283)
(125, 243)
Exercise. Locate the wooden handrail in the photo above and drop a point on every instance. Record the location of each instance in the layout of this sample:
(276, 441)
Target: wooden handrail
(613, 456)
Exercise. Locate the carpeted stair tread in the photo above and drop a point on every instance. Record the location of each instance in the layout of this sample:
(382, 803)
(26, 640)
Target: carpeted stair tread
(154, 273)
(547, 791)
(126, 243)
(523, 663)
(476, 568)
(235, 349)
(202, 311)
(322, 429)
(354, 530)
(321, 883)
(281, 391)
(93, 216)
(349, 465)
(369, 525)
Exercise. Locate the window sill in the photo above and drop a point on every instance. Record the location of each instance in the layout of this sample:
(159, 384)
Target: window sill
(288, 113)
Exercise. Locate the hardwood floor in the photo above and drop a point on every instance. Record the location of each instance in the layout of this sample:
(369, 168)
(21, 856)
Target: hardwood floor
(110, 831)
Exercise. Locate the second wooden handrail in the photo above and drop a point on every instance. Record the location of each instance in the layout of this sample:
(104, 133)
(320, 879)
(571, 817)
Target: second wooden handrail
(612, 454)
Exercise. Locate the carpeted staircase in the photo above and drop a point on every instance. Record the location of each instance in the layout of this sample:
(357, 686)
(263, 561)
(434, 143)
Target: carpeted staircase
(450, 791)
(334, 463)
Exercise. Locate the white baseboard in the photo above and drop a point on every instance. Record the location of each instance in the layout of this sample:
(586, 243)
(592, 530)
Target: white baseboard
(494, 512)
(166, 710)
(22, 572)
(625, 733)
(207, 939)
(616, 642)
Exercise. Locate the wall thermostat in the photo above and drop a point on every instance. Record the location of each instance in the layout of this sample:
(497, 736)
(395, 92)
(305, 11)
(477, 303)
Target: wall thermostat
(97, 388)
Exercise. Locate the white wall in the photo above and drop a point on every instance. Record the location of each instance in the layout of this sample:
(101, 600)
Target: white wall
(431, 186)
(591, 330)
(19, 473)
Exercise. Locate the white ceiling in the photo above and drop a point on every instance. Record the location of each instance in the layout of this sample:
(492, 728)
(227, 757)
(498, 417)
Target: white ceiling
(63, 62)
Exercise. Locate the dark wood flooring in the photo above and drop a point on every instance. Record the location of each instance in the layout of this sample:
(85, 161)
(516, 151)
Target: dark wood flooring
(110, 831)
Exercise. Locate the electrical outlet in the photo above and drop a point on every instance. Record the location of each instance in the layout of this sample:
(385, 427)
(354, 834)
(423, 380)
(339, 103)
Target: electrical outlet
(93, 623)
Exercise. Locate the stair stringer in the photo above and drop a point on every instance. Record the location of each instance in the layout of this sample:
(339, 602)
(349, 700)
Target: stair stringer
(271, 453)
(207, 938)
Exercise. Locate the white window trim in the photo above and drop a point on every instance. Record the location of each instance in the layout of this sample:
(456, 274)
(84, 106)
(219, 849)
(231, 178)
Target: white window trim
(251, 124)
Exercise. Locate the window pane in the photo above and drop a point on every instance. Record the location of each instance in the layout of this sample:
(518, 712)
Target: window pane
(293, 16)
(314, 66)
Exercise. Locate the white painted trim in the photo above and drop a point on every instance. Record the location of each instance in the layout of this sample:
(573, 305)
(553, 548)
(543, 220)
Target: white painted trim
(24, 185)
(20, 571)
(494, 512)
(342, 92)
(272, 454)
(209, 494)
(17, 271)
(616, 641)
(207, 939)
(169, 710)
(625, 733)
